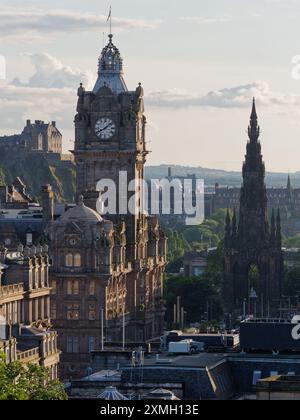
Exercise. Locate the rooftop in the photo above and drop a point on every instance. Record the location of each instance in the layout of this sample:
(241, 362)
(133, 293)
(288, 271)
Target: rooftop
(287, 383)
(201, 361)
(104, 376)
(82, 213)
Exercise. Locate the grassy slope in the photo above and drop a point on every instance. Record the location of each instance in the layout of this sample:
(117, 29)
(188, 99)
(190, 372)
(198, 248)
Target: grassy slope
(35, 171)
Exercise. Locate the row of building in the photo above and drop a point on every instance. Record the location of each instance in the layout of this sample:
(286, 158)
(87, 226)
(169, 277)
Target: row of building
(26, 332)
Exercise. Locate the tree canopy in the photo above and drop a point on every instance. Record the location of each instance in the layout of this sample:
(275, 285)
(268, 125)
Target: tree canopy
(27, 383)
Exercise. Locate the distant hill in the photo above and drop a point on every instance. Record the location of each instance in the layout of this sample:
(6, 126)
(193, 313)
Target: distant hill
(213, 176)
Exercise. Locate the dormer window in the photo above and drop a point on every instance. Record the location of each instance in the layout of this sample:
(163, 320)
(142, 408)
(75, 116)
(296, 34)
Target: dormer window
(69, 260)
(73, 260)
(77, 260)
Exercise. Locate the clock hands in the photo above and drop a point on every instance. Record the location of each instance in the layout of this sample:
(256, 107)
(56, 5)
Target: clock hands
(105, 128)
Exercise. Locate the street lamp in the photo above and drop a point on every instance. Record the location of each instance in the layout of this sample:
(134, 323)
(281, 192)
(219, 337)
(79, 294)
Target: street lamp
(253, 298)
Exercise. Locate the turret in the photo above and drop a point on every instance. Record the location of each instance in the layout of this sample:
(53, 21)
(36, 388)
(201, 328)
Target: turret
(278, 231)
(227, 239)
(289, 184)
(273, 229)
(289, 190)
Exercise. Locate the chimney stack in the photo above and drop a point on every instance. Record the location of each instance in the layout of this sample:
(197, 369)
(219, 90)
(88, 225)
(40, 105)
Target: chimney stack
(48, 204)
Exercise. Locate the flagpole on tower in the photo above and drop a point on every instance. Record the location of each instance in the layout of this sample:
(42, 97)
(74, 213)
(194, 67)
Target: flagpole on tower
(110, 19)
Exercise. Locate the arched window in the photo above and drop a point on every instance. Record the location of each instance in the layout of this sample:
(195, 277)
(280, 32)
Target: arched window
(77, 260)
(69, 260)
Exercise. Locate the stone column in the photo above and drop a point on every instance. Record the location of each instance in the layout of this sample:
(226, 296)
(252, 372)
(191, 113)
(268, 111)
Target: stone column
(47, 307)
(42, 308)
(28, 311)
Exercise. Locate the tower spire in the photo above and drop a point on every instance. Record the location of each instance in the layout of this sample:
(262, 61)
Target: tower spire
(253, 129)
(253, 113)
(256, 243)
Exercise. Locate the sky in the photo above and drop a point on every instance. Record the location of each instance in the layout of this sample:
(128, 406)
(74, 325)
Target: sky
(200, 62)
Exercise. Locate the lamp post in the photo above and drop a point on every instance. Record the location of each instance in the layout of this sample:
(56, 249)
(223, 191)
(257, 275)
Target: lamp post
(124, 315)
(244, 309)
(102, 329)
(124, 327)
(253, 299)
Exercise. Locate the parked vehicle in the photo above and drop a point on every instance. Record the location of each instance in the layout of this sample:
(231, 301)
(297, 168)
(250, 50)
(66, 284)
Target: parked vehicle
(210, 342)
(185, 347)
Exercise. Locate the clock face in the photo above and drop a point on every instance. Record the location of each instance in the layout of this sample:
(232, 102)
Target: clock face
(105, 128)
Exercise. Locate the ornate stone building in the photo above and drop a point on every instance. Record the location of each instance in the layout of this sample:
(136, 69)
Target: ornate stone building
(25, 326)
(253, 259)
(107, 270)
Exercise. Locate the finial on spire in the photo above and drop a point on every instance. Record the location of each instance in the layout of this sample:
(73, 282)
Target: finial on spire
(253, 113)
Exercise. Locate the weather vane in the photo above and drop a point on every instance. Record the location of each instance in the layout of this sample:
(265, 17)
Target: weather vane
(109, 19)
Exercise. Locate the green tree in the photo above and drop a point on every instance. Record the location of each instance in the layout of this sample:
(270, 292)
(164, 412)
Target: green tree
(177, 247)
(292, 281)
(292, 242)
(30, 383)
(196, 294)
(209, 233)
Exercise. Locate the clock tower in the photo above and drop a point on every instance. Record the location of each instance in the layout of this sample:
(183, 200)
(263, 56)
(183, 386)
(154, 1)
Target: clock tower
(109, 142)
(110, 136)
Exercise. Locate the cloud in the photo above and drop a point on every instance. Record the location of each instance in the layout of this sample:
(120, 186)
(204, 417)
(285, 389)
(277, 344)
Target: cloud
(33, 24)
(18, 103)
(204, 20)
(50, 94)
(233, 97)
(51, 73)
